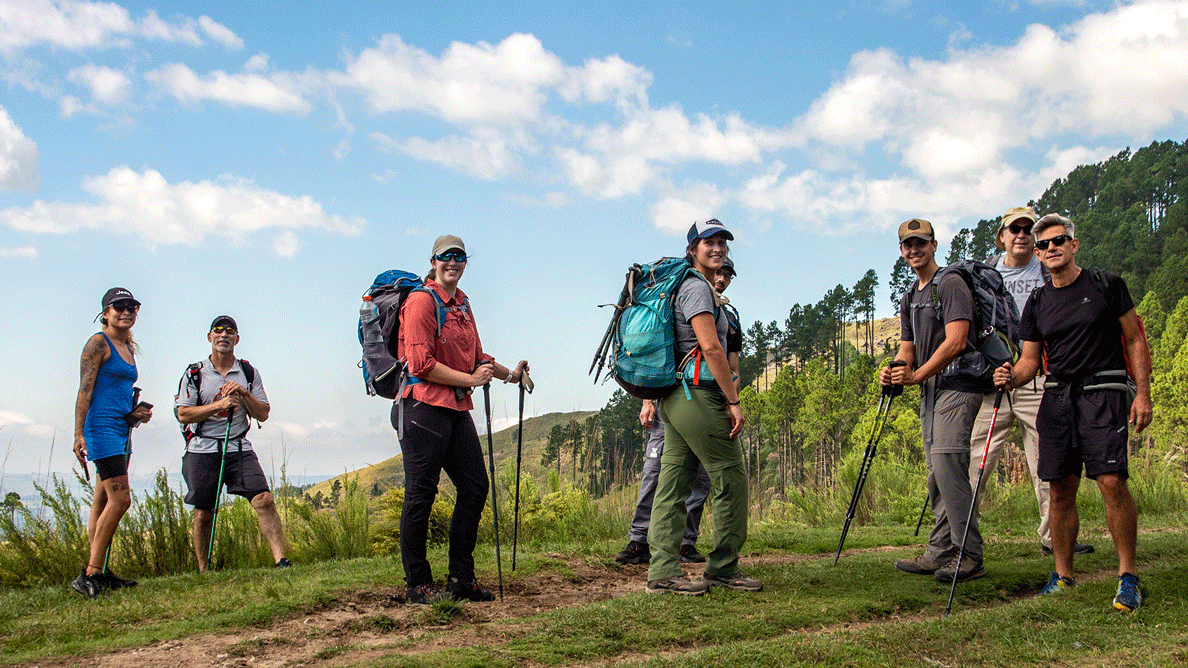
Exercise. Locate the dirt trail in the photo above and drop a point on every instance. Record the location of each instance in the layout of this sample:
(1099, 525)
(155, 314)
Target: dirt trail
(375, 622)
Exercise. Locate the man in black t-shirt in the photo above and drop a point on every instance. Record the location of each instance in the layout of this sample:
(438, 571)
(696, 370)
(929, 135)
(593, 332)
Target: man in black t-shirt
(934, 331)
(1085, 321)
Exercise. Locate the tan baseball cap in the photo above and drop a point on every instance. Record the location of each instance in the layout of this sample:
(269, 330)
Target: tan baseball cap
(1013, 214)
(916, 227)
(447, 242)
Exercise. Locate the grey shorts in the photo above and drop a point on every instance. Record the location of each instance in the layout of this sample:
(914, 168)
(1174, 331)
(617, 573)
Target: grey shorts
(241, 474)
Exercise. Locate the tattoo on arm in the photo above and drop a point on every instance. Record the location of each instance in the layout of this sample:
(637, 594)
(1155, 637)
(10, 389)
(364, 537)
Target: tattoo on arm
(93, 355)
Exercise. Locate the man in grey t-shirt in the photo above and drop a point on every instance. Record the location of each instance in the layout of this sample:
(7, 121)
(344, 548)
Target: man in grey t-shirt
(1021, 272)
(934, 330)
(212, 392)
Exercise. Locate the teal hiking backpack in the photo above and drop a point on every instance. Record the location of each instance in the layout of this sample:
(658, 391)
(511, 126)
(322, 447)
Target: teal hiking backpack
(640, 342)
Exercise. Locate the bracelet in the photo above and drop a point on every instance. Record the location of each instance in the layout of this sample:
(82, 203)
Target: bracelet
(734, 403)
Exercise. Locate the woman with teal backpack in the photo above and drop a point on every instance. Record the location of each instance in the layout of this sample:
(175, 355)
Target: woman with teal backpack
(703, 419)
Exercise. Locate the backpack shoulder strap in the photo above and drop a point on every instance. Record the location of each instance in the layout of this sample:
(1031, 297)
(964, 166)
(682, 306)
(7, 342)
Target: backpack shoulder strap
(194, 371)
(249, 372)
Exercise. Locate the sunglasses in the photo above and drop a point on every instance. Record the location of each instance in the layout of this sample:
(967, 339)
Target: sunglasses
(1057, 240)
(124, 307)
(456, 256)
(1020, 229)
(224, 328)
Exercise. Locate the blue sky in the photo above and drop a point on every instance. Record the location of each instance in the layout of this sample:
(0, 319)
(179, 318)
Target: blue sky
(267, 160)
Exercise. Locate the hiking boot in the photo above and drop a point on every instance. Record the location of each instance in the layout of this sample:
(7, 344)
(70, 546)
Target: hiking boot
(283, 563)
(690, 555)
(467, 591)
(737, 582)
(678, 585)
(88, 585)
(113, 581)
(1079, 548)
(1057, 584)
(1129, 596)
(426, 594)
(636, 552)
(921, 565)
(970, 570)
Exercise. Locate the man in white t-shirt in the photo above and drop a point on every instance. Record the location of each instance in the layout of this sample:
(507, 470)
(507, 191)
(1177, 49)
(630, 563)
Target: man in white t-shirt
(1021, 272)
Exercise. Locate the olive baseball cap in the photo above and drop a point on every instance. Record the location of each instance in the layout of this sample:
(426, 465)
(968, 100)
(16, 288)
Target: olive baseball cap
(447, 242)
(918, 228)
(1013, 214)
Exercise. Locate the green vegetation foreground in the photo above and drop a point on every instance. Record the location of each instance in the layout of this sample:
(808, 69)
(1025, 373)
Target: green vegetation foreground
(861, 612)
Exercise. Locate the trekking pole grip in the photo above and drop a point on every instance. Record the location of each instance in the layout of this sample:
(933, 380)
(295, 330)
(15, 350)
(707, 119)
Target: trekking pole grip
(894, 390)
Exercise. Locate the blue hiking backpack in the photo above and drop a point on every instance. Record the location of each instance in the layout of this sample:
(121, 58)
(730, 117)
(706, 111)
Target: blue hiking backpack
(379, 330)
(640, 341)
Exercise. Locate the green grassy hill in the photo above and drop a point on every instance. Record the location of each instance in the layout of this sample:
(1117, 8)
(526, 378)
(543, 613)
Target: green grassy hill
(390, 472)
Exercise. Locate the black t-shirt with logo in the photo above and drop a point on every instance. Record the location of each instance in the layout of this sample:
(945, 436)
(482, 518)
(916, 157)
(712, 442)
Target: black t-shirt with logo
(1078, 324)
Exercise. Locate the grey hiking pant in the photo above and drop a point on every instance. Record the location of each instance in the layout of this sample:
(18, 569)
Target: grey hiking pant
(947, 418)
(694, 505)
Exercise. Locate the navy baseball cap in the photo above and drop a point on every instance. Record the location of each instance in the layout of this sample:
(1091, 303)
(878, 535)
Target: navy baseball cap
(117, 295)
(708, 228)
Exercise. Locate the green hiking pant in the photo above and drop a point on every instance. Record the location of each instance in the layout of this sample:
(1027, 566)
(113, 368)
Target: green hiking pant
(698, 429)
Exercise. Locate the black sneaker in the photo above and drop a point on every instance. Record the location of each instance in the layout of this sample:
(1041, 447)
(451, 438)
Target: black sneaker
(690, 555)
(467, 591)
(426, 594)
(283, 563)
(87, 585)
(636, 552)
(1079, 548)
(113, 581)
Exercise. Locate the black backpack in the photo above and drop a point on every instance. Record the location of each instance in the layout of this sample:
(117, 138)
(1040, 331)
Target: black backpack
(995, 325)
(194, 372)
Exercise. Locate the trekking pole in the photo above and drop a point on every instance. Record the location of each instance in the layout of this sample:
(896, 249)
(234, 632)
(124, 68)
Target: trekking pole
(525, 384)
(922, 510)
(876, 431)
(494, 494)
(214, 520)
(974, 502)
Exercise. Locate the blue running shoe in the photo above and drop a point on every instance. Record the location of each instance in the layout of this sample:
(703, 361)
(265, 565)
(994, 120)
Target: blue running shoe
(1056, 584)
(1129, 597)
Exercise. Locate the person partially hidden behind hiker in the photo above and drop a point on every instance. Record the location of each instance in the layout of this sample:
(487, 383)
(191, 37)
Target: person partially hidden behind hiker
(104, 414)
(703, 419)
(1085, 322)
(934, 330)
(637, 551)
(1021, 273)
(210, 391)
(438, 431)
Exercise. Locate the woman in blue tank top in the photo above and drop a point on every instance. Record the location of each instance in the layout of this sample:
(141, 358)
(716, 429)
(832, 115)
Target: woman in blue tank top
(103, 421)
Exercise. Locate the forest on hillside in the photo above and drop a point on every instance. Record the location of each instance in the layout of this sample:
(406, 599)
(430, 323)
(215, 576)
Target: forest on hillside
(809, 387)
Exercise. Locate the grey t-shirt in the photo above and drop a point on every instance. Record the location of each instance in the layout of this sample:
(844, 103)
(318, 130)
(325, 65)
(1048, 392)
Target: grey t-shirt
(918, 323)
(213, 430)
(1020, 281)
(695, 296)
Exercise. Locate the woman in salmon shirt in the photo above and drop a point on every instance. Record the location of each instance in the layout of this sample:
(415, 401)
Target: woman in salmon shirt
(439, 433)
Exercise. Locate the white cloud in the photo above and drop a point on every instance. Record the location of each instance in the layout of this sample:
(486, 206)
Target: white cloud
(109, 86)
(144, 204)
(24, 251)
(341, 149)
(70, 106)
(674, 213)
(257, 63)
(483, 159)
(13, 417)
(220, 33)
(606, 79)
(79, 24)
(19, 158)
(274, 93)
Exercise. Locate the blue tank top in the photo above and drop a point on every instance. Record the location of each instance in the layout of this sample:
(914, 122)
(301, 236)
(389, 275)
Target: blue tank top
(111, 399)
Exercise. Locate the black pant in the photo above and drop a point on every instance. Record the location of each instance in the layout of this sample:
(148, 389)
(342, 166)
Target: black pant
(437, 439)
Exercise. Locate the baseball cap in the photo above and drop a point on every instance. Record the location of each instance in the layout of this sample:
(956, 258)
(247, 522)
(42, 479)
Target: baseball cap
(708, 228)
(117, 295)
(447, 242)
(225, 320)
(916, 227)
(729, 264)
(1013, 214)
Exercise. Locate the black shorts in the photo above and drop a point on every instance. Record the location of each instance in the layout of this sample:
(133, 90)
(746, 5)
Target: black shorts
(1084, 428)
(241, 474)
(111, 467)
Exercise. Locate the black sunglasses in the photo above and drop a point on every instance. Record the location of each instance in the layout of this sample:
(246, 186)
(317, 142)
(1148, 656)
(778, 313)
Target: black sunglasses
(1057, 240)
(1020, 229)
(219, 329)
(124, 307)
(456, 256)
